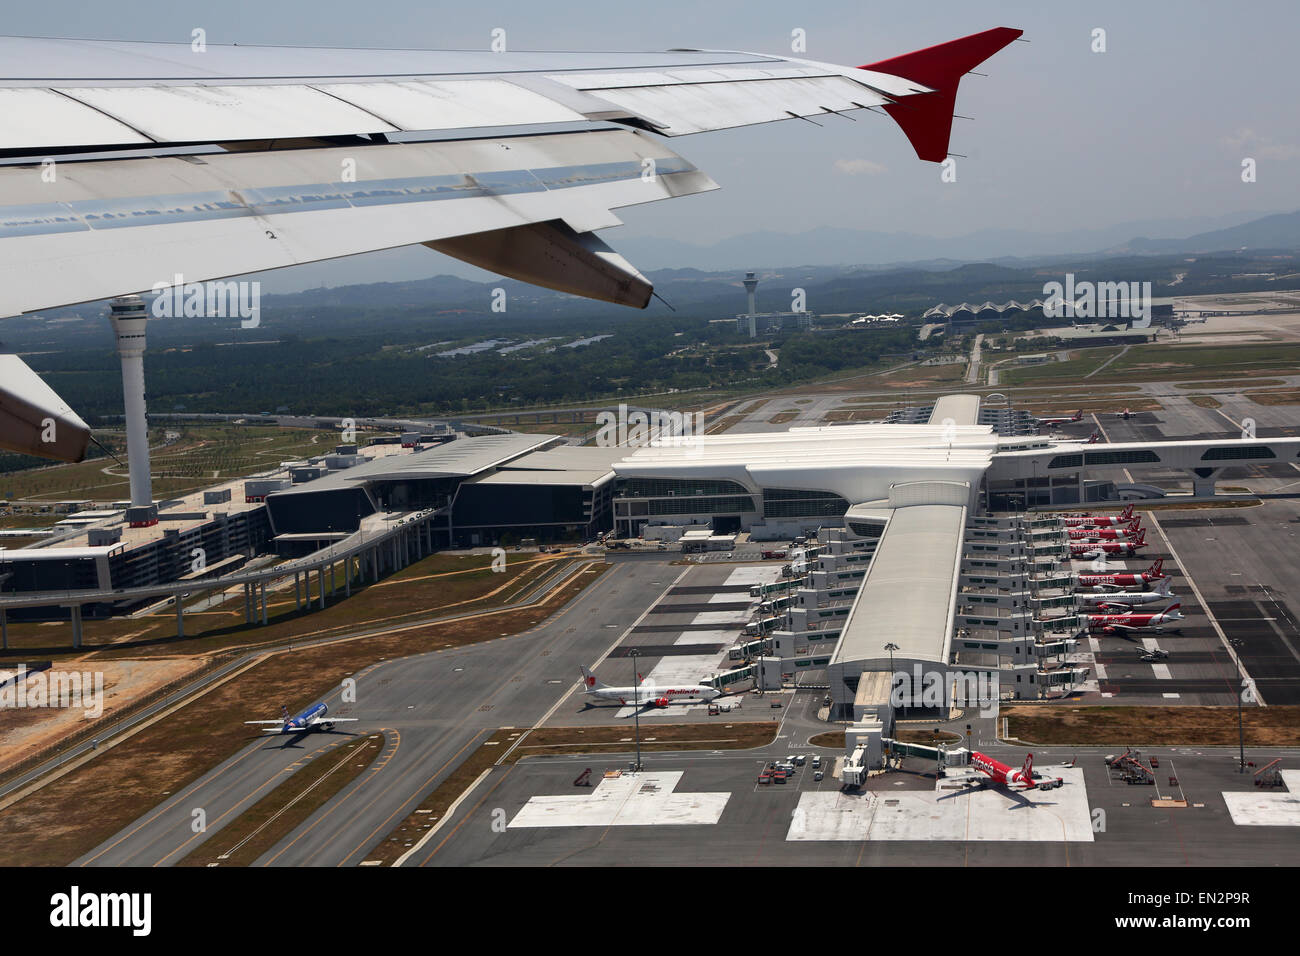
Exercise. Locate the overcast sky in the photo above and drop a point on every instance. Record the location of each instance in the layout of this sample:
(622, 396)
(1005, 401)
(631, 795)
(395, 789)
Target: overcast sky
(1154, 128)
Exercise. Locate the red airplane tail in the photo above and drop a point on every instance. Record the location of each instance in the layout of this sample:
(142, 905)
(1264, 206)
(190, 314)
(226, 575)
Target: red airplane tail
(927, 120)
(1078, 416)
(1155, 568)
(1027, 771)
(1141, 538)
(1128, 511)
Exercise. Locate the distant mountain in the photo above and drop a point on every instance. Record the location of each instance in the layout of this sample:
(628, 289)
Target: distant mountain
(834, 246)
(826, 246)
(1281, 231)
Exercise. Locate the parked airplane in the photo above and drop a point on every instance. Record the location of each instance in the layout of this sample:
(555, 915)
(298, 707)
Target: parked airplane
(647, 694)
(1099, 521)
(1053, 422)
(1132, 530)
(1089, 550)
(1121, 580)
(1140, 622)
(313, 718)
(1126, 414)
(1022, 779)
(1126, 599)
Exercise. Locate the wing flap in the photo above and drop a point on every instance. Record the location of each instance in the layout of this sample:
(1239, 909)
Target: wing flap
(678, 108)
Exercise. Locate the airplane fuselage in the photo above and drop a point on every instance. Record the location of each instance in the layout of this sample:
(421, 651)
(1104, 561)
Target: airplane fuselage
(658, 696)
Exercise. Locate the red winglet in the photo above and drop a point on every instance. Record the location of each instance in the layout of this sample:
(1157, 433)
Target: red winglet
(927, 118)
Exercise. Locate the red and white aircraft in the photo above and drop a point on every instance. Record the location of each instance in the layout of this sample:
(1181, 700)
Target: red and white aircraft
(1053, 422)
(1118, 581)
(647, 694)
(1141, 622)
(1131, 530)
(1099, 521)
(1082, 549)
(1022, 779)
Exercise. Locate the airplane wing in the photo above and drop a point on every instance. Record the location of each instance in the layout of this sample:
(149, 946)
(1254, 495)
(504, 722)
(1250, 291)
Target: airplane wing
(33, 419)
(129, 167)
(330, 720)
(278, 723)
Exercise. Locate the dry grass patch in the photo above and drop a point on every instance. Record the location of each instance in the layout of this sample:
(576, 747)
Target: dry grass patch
(1166, 726)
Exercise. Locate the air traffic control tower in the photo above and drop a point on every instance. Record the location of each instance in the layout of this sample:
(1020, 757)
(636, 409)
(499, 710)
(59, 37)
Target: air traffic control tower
(129, 315)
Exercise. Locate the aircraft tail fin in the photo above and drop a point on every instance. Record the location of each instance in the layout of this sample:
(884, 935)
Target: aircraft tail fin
(1162, 586)
(1127, 512)
(1155, 568)
(284, 711)
(926, 119)
(590, 681)
(1027, 771)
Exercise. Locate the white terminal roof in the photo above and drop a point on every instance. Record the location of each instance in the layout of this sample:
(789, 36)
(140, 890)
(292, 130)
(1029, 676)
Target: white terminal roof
(909, 592)
(857, 462)
(961, 409)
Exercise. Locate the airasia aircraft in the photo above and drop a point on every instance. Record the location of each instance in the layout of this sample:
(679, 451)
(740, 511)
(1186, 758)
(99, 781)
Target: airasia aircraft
(1100, 521)
(1081, 549)
(647, 694)
(1141, 622)
(1117, 600)
(1105, 582)
(1053, 422)
(1022, 779)
(1106, 534)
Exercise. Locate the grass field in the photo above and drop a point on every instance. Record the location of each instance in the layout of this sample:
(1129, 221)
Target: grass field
(441, 583)
(202, 456)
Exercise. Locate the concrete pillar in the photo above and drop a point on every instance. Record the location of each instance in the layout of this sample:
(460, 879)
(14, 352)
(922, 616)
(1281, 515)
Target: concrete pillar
(297, 597)
(263, 602)
(76, 627)
(347, 579)
(320, 572)
(180, 618)
(1204, 486)
(4, 628)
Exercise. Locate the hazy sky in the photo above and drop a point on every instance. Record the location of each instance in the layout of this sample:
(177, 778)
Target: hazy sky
(1156, 127)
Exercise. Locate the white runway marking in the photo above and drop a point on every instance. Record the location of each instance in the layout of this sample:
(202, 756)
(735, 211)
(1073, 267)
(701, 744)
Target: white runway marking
(732, 597)
(755, 574)
(1162, 671)
(721, 617)
(964, 814)
(633, 799)
(1259, 808)
(706, 637)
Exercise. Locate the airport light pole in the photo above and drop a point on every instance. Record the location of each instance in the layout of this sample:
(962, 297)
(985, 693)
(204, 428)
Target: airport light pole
(636, 706)
(1236, 643)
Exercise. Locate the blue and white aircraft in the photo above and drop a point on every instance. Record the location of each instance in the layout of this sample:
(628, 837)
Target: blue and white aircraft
(313, 718)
